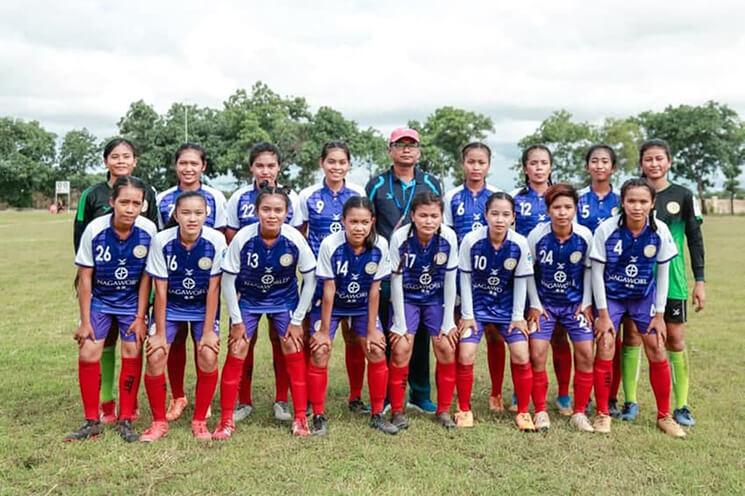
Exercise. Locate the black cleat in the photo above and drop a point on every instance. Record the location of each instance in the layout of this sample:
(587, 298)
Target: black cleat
(319, 425)
(379, 422)
(127, 432)
(400, 421)
(359, 407)
(90, 429)
(446, 421)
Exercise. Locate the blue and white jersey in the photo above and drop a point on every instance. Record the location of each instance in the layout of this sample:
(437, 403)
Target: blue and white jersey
(188, 271)
(117, 263)
(465, 211)
(423, 267)
(493, 272)
(353, 274)
(530, 209)
(266, 279)
(241, 210)
(560, 265)
(593, 210)
(630, 261)
(321, 208)
(216, 204)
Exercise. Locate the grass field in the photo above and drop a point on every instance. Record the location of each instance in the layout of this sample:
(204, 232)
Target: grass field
(40, 403)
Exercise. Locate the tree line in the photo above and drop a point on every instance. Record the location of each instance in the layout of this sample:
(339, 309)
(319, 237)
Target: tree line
(707, 140)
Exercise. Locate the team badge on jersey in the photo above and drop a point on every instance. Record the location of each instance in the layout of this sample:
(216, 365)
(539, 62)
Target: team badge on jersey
(650, 250)
(575, 257)
(632, 270)
(140, 251)
(510, 263)
(371, 267)
(441, 258)
(673, 207)
(286, 260)
(205, 263)
(425, 279)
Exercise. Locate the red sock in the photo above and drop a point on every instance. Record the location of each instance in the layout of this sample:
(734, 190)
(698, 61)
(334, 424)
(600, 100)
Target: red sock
(582, 389)
(496, 357)
(659, 377)
(616, 379)
(177, 366)
(244, 392)
(355, 359)
(317, 383)
(129, 386)
(562, 354)
(397, 387)
(377, 380)
(522, 382)
(206, 385)
(231, 375)
(540, 390)
(464, 383)
(155, 386)
(89, 378)
(295, 363)
(281, 380)
(445, 378)
(602, 373)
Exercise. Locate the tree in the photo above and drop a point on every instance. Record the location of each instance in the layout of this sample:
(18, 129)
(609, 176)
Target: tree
(732, 183)
(143, 126)
(27, 153)
(79, 153)
(624, 136)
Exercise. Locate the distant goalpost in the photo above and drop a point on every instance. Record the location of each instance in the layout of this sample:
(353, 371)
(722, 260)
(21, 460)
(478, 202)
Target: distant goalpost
(62, 188)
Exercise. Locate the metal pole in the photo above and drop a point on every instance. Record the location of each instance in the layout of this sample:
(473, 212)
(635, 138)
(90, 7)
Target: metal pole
(186, 124)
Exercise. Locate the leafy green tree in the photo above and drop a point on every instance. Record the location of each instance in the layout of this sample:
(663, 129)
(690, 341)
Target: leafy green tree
(80, 152)
(27, 154)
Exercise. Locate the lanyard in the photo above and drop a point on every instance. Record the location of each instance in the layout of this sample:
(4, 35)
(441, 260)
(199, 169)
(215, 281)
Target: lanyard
(395, 199)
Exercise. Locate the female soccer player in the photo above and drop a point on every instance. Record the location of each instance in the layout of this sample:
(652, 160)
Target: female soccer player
(190, 163)
(112, 287)
(630, 270)
(678, 209)
(464, 212)
(494, 266)
(120, 158)
(531, 211)
(351, 264)
(264, 162)
(560, 251)
(424, 259)
(261, 265)
(185, 262)
(320, 211)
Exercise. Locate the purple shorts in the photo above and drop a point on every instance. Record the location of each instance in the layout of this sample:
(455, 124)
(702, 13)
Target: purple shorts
(471, 336)
(101, 323)
(280, 320)
(429, 315)
(576, 325)
(197, 327)
(358, 324)
(641, 312)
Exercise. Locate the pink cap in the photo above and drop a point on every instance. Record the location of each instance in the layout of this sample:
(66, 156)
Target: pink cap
(403, 132)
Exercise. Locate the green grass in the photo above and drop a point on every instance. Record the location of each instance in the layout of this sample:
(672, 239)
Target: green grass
(40, 403)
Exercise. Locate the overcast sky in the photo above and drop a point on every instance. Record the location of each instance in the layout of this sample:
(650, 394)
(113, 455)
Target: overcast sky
(81, 63)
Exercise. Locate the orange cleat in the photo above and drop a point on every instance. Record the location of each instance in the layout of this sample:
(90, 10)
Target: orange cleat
(300, 427)
(176, 408)
(157, 430)
(224, 430)
(108, 412)
(199, 430)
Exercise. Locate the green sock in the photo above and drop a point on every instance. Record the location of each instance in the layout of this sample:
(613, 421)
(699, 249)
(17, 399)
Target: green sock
(108, 358)
(630, 364)
(679, 366)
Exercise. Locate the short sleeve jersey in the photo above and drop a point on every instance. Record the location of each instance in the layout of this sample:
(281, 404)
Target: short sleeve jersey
(530, 209)
(216, 206)
(423, 267)
(464, 209)
(267, 275)
(593, 210)
(353, 274)
(188, 271)
(630, 261)
(560, 265)
(321, 208)
(493, 272)
(117, 263)
(241, 209)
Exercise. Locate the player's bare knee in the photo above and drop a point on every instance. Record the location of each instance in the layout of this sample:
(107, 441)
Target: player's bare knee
(207, 359)
(375, 354)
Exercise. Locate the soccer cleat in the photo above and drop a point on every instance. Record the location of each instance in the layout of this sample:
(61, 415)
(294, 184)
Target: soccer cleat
(400, 421)
(422, 406)
(464, 419)
(90, 429)
(601, 423)
(319, 425)
(108, 412)
(542, 422)
(564, 404)
(199, 430)
(580, 422)
(615, 412)
(379, 422)
(126, 431)
(496, 404)
(242, 411)
(513, 404)
(684, 417)
(281, 411)
(175, 408)
(358, 406)
(630, 411)
(300, 427)
(224, 431)
(524, 422)
(157, 430)
(670, 427)
(444, 420)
